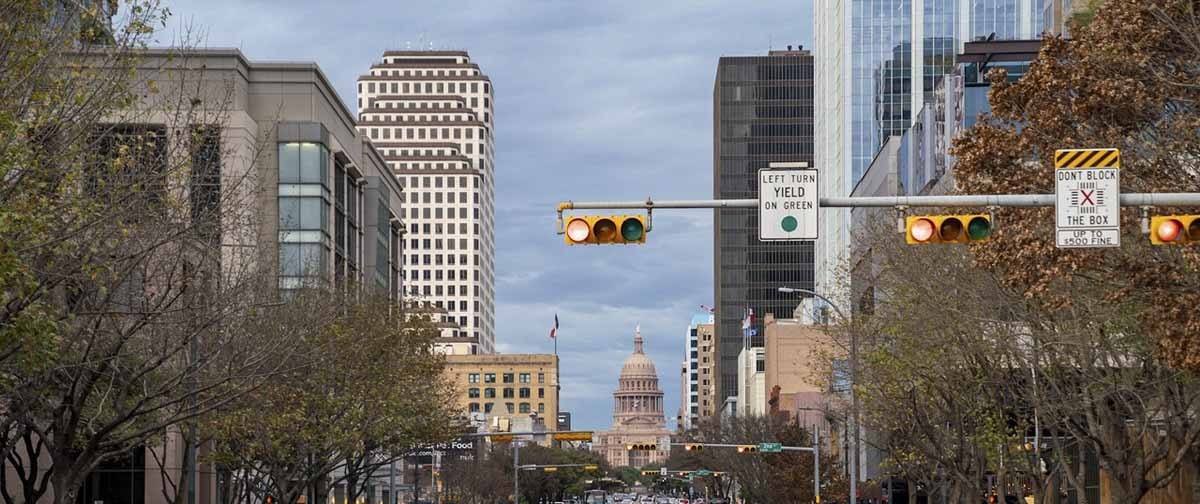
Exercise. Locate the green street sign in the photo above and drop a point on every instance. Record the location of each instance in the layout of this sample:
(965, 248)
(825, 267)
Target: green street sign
(703, 472)
(770, 447)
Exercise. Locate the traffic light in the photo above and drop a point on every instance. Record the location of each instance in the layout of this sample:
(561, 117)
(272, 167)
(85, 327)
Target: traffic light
(605, 229)
(947, 228)
(1174, 229)
(693, 447)
(641, 446)
(591, 467)
(747, 448)
(549, 469)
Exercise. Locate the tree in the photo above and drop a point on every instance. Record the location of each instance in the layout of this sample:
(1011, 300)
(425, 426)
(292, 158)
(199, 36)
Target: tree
(758, 477)
(1114, 330)
(125, 265)
(366, 390)
(1126, 80)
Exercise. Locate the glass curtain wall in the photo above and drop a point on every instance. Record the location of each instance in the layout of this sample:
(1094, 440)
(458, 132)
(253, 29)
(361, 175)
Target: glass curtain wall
(304, 210)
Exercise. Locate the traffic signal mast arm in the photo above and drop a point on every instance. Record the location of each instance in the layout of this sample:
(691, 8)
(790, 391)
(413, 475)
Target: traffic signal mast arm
(901, 203)
(946, 201)
(727, 445)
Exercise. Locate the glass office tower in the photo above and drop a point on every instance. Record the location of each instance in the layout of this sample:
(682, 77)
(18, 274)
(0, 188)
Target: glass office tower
(878, 62)
(762, 112)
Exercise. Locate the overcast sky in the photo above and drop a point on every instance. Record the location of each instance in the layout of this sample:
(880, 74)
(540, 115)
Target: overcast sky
(595, 100)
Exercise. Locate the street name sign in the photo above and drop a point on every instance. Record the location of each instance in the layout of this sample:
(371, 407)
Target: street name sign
(662, 471)
(1087, 187)
(770, 447)
(703, 472)
(787, 202)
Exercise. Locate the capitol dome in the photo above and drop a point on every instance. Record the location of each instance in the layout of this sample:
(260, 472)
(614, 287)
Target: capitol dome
(637, 414)
(638, 365)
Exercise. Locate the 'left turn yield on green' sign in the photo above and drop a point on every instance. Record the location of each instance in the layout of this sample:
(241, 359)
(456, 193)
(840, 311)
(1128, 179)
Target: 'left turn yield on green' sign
(787, 202)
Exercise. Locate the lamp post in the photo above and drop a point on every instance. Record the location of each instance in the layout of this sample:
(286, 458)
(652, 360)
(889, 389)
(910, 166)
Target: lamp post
(853, 462)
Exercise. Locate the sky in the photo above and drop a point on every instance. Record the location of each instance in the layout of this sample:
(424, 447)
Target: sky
(595, 100)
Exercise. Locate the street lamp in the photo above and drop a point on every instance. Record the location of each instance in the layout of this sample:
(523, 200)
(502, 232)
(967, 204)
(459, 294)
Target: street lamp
(853, 382)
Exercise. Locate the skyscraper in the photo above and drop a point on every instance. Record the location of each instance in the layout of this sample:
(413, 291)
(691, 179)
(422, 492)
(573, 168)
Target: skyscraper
(762, 112)
(698, 381)
(878, 62)
(432, 116)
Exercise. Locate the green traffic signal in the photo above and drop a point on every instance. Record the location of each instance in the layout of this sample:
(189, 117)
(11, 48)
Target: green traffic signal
(979, 228)
(632, 230)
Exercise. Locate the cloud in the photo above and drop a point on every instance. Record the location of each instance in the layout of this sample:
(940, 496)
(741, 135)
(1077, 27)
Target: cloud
(607, 100)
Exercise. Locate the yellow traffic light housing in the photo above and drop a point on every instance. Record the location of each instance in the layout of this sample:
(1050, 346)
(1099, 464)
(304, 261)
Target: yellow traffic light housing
(747, 448)
(967, 228)
(1174, 229)
(605, 229)
(641, 446)
(591, 467)
(549, 469)
(693, 447)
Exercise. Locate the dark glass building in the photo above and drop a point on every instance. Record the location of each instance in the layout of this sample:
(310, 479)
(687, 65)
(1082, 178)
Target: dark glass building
(762, 113)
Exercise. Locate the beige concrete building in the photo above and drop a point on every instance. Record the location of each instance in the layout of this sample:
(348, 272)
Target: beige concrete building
(752, 389)
(637, 415)
(301, 192)
(432, 116)
(507, 392)
(795, 381)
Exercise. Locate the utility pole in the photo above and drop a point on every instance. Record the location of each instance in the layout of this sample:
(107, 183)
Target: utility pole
(816, 465)
(516, 445)
(392, 499)
(852, 439)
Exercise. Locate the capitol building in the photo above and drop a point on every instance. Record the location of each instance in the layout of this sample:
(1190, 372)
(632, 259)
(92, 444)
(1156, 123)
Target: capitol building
(637, 415)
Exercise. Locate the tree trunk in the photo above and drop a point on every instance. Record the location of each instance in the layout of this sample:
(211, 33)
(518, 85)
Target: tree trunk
(66, 480)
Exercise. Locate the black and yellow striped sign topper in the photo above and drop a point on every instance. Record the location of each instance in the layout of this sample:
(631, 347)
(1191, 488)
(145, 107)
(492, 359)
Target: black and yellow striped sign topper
(1087, 158)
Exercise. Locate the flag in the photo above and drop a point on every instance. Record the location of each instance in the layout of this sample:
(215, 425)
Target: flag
(748, 321)
(554, 330)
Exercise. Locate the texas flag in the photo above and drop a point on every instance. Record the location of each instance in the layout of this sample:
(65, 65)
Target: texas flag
(554, 330)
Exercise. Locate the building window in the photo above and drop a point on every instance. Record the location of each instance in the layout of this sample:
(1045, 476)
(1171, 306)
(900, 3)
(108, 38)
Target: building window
(541, 407)
(489, 393)
(525, 407)
(541, 377)
(473, 393)
(473, 378)
(487, 408)
(205, 189)
(508, 377)
(304, 213)
(489, 378)
(508, 393)
(524, 391)
(473, 407)
(524, 377)
(541, 393)
(509, 407)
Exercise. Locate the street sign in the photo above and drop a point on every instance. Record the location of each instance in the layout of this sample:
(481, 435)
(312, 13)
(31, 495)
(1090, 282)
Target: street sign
(1087, 185)
(787, 202)
(662, 471)
(703, 472)
(770, 447)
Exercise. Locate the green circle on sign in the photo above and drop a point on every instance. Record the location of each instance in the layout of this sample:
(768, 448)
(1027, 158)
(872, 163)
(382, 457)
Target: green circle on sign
(789, 223)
